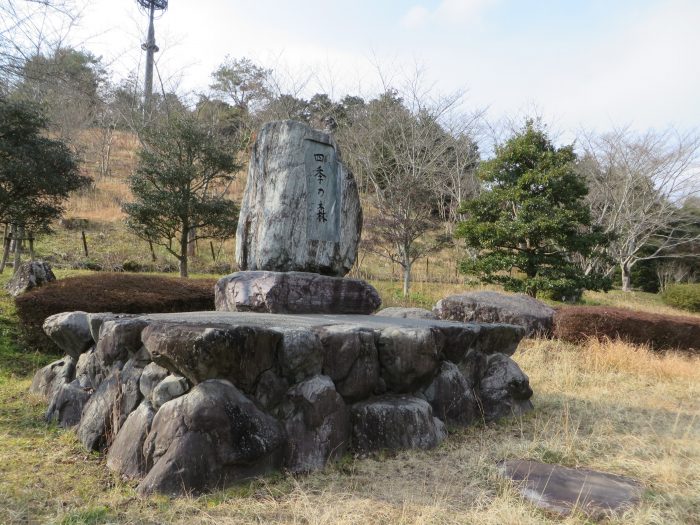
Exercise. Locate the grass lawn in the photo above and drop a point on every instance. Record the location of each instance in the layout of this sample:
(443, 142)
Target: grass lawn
(608, 406)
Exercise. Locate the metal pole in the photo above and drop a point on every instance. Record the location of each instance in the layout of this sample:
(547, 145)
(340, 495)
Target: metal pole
(151, 48)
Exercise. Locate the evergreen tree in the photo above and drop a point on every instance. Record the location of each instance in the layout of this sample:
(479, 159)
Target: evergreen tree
(531, 220)
(37, 173)
(184, 170)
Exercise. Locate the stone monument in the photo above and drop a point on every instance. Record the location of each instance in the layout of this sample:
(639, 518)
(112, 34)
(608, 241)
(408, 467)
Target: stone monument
(290, 372)
(298, 230)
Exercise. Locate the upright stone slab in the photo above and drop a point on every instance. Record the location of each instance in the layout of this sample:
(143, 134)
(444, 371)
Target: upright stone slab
(301, 209)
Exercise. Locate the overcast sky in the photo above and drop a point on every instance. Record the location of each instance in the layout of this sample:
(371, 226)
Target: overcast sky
(580, 63)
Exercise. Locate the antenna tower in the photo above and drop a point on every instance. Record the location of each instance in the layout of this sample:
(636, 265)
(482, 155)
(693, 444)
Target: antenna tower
(150, 7)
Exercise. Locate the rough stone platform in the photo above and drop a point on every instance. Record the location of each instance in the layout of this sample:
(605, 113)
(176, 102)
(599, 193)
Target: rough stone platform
(193, 401)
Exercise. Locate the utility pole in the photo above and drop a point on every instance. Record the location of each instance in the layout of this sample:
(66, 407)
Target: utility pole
(150, 6)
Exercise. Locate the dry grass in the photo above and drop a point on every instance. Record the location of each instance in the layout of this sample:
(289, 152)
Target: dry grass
(643, 301)
(609, 406)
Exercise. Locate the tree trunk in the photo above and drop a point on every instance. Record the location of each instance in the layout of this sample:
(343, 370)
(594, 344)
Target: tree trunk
(184, 244)
(31, 246)
(191, 246)
(406, 279)
(6, 250)
(18, 248)
(626, 277)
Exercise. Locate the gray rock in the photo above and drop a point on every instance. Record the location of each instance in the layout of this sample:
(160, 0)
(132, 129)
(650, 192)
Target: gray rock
(351, 360)
(70, 331)
(239, 354)
(91, 370)
(300, 354)
(67, 405)
(499, 338)
(407, 313)
(452, 396)
(96, 320)
(169, 388)
(294, 293)
(125, 455)
(317, 424)
(395, 422)
(292, 217)
(408, 357)
(493, 307)
(208, 438)
(151, 376)
(28, 276)
(473, 366)
(109, 406)
(270, 390)
(49, 379)
(561, 489)
(118, 339)
(504, 389)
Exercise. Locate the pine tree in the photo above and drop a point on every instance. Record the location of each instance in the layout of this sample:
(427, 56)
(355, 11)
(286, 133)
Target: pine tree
(531, 220)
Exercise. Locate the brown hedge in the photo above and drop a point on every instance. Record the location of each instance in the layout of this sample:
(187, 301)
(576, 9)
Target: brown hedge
(109, 292)
(661, 332)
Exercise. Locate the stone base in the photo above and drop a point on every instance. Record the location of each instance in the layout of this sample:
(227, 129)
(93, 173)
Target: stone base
(294, 293)
(212, 398)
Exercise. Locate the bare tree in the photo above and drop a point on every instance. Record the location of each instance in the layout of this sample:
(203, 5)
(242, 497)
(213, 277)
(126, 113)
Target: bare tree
(637, 184)
(29, 28)
(401, 153)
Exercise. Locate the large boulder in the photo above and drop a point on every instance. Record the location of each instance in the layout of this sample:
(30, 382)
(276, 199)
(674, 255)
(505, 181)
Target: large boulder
(504, 389)
(408, 357)
(240, 353)
(28, 276)
(67, 404)
(70, 331)
(96, 320)
(208, 438)
(301, 209)
(110, 405)
(317, 424)
(49, 379)
(118, 339)
(294, 293)
(151, 376)
(168, 389)
(125, 455)
(493, 307)
(452, 396)
(351, 360)
(395, 422)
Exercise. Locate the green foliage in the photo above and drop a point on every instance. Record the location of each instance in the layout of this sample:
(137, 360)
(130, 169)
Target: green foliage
(532, 220)
(67, 84)
(683, 296)
(180, 184)
(37, 173)
(241, 82)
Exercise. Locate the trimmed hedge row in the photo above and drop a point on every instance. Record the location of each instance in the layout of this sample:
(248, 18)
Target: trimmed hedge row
(109, 292)
(683, 296)
(660, 332)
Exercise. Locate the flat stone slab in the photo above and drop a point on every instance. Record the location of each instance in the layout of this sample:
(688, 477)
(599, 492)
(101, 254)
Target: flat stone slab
(241, 346)
(493, 307)
(294, 293)
(561, 489)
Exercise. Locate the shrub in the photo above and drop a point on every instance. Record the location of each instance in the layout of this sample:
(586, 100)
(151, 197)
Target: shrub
(683, 296)
(660, 332)
(109, 292)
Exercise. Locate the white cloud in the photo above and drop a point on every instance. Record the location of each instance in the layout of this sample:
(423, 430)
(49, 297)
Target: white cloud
(447, 11)
(462, 10)
(415, 17)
